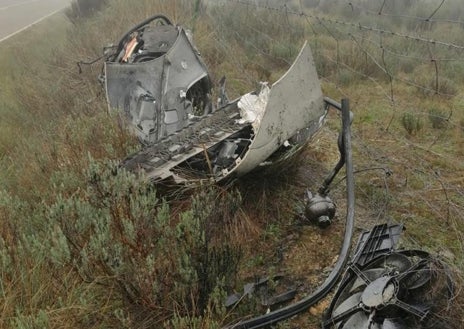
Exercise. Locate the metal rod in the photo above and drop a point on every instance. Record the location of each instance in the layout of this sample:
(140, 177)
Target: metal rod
(333, 103)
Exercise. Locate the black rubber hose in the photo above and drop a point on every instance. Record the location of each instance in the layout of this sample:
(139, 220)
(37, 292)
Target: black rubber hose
(324, 189)
(329, 283)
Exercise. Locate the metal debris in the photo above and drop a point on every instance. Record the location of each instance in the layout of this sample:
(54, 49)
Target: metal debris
(158, 80)
(387, 288)
(319, 209)
(261, 289)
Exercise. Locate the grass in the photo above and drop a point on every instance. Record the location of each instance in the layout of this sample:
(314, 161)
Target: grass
(83, 245)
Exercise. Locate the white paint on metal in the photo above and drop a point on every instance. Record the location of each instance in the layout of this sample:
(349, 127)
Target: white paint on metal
(295, 102)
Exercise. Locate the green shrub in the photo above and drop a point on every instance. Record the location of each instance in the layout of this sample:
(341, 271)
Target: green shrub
(286, 51)
(39, 320)
(121, 234)
(454, 71)
(346, 77)
(441, 86)
(412, 123)
(437, 118)
(447, 87)
(363, 61)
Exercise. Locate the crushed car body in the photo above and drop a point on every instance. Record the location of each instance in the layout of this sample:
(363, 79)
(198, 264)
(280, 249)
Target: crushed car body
(158, 80)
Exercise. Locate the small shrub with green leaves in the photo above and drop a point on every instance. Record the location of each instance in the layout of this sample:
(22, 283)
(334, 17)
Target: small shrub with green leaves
(437, 118)
(412, 123)
(441, 86)
(121, 234)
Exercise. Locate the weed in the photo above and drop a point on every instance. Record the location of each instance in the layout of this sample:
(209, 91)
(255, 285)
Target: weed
(412, 123)
(407, 65)
(39, 320)
(438, 118)
(454, 71)
(122, 235)
(346, 77)
(81, 9)
(84, 245)
(440, 86)
(445, 87)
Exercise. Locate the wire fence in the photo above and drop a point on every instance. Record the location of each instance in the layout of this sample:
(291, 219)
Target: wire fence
(376, 47)
(428, 65)
(414, 71)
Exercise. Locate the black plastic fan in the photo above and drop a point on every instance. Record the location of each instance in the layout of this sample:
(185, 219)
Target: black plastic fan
(393, 291)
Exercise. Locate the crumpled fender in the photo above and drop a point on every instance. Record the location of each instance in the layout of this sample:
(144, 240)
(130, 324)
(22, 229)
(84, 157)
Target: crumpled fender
(295, 105)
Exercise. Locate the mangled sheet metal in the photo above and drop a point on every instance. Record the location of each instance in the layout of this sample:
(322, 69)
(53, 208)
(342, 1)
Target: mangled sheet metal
(294, 111)
(159, 81)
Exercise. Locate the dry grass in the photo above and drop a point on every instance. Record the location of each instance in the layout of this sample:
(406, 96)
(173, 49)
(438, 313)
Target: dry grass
(63, 117)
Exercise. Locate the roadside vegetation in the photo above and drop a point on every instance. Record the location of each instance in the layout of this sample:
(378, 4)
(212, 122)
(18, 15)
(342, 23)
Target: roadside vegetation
(84, 244)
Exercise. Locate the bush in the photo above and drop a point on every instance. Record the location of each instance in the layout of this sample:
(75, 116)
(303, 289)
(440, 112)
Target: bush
(412, 123)
(437, 118)
(346, 77)
(80, 9)
(442, 86)
(454, 71)
(447, 87)
(120, 234)
(407, 65)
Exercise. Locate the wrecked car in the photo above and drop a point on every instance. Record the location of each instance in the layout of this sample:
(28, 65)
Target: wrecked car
(158, 80)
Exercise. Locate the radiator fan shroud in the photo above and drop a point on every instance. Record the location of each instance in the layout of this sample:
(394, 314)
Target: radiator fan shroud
(397, 290)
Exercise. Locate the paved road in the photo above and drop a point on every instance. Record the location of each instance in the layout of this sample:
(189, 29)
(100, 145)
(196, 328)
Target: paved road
(17, 15)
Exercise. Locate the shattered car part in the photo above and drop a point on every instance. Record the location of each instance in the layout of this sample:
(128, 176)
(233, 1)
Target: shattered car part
(396, 290)
(158, 80)
(261, 289)
(319, 209)
(386, 288)
(381, 239)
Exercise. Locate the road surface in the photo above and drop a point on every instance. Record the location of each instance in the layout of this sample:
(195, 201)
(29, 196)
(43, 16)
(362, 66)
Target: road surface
(18, 15)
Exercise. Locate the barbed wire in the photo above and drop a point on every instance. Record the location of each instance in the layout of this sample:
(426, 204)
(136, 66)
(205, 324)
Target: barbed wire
(416, 58)
(381, 13)
(381, 52)
(301, 13)
(383, 66)
(229, 50)
(359, 39)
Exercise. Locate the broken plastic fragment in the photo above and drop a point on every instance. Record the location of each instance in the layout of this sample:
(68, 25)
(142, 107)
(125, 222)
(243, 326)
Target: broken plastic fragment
(252, 106)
